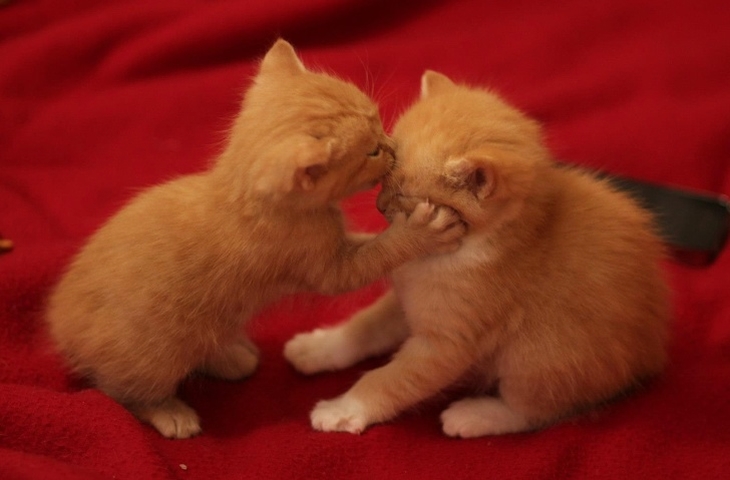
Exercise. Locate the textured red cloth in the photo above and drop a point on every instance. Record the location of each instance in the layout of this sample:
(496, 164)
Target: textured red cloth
(99, 99)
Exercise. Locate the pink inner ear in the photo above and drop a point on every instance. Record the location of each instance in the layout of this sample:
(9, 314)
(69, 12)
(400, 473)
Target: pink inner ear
(306, 178)
(315, 172)
(483, 181)
(479, 178)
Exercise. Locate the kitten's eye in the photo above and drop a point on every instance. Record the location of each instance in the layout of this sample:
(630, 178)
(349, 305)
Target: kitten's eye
(375, 152)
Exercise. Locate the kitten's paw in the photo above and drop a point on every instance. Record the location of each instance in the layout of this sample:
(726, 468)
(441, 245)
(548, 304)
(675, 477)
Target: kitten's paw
(318, 351)
(172, 418)
(233, 362)
(440, 226)
(422, 214)
(342, 414)
(477, 417)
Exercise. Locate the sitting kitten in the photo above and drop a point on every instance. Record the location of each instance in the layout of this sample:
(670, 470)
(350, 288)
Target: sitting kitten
(162, 289)
(554, 303)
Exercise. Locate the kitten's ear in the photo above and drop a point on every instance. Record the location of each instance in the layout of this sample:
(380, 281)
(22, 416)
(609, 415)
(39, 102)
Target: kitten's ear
(433, 83)
(281, 59)
(296, 164)
(311, 162)
(474, 174)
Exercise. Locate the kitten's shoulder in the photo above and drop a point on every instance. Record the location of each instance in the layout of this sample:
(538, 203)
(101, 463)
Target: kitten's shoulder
(588, 191)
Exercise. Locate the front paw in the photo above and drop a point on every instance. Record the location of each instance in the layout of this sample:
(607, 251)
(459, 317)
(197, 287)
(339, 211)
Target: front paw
(318, 351)
(342, 414)
(437, 229)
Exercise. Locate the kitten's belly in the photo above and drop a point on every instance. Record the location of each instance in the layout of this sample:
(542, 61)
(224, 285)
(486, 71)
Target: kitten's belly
(423, 292)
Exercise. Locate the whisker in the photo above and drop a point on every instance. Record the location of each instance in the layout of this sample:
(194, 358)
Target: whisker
(369, 83)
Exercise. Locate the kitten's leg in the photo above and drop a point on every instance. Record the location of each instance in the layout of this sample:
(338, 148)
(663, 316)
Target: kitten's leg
(428, 230)
(422, 368)
(358, 238)
(479, 416)
(234, 361)
(373, 331)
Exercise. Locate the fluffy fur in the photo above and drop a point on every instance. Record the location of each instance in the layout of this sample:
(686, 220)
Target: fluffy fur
(161, 290)
(555, 302)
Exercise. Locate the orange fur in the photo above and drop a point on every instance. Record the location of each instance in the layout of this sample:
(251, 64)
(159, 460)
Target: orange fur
(556, 299)
(163, 287)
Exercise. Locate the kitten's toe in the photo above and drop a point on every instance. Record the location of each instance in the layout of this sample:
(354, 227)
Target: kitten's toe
(172, 418)
(448, 230)
(445, 218)
(342, 414)
(233, 362)
(423, 213)
(318, 351)
(476, 417)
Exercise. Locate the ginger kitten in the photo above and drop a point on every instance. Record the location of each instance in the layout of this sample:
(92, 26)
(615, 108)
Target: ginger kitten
(555, 302)
(162, 289)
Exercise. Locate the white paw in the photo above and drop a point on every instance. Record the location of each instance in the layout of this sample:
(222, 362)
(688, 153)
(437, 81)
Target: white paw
(318, 351)
(476, 417)
(458, 421)
(174, 419)
(342, 414)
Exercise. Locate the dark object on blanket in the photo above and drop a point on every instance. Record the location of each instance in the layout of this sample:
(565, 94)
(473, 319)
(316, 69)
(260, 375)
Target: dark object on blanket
(5, 245)
(695, 225)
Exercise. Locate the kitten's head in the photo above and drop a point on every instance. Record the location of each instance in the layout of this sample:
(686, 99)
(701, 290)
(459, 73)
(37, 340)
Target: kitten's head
(464, 148)
(307, 136)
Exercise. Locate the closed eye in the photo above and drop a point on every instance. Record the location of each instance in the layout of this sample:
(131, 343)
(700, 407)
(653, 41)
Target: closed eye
(375, 152)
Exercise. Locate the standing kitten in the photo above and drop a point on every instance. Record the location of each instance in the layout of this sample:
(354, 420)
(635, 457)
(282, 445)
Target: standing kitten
(163, 287)
(555, 302)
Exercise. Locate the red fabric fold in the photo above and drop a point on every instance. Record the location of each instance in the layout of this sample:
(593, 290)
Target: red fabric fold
(100, 99)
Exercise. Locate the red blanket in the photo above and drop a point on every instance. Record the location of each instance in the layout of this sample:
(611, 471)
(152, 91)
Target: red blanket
(99, 99)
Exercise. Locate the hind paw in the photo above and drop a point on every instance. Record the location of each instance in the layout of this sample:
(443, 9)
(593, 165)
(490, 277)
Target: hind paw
(173, 418)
